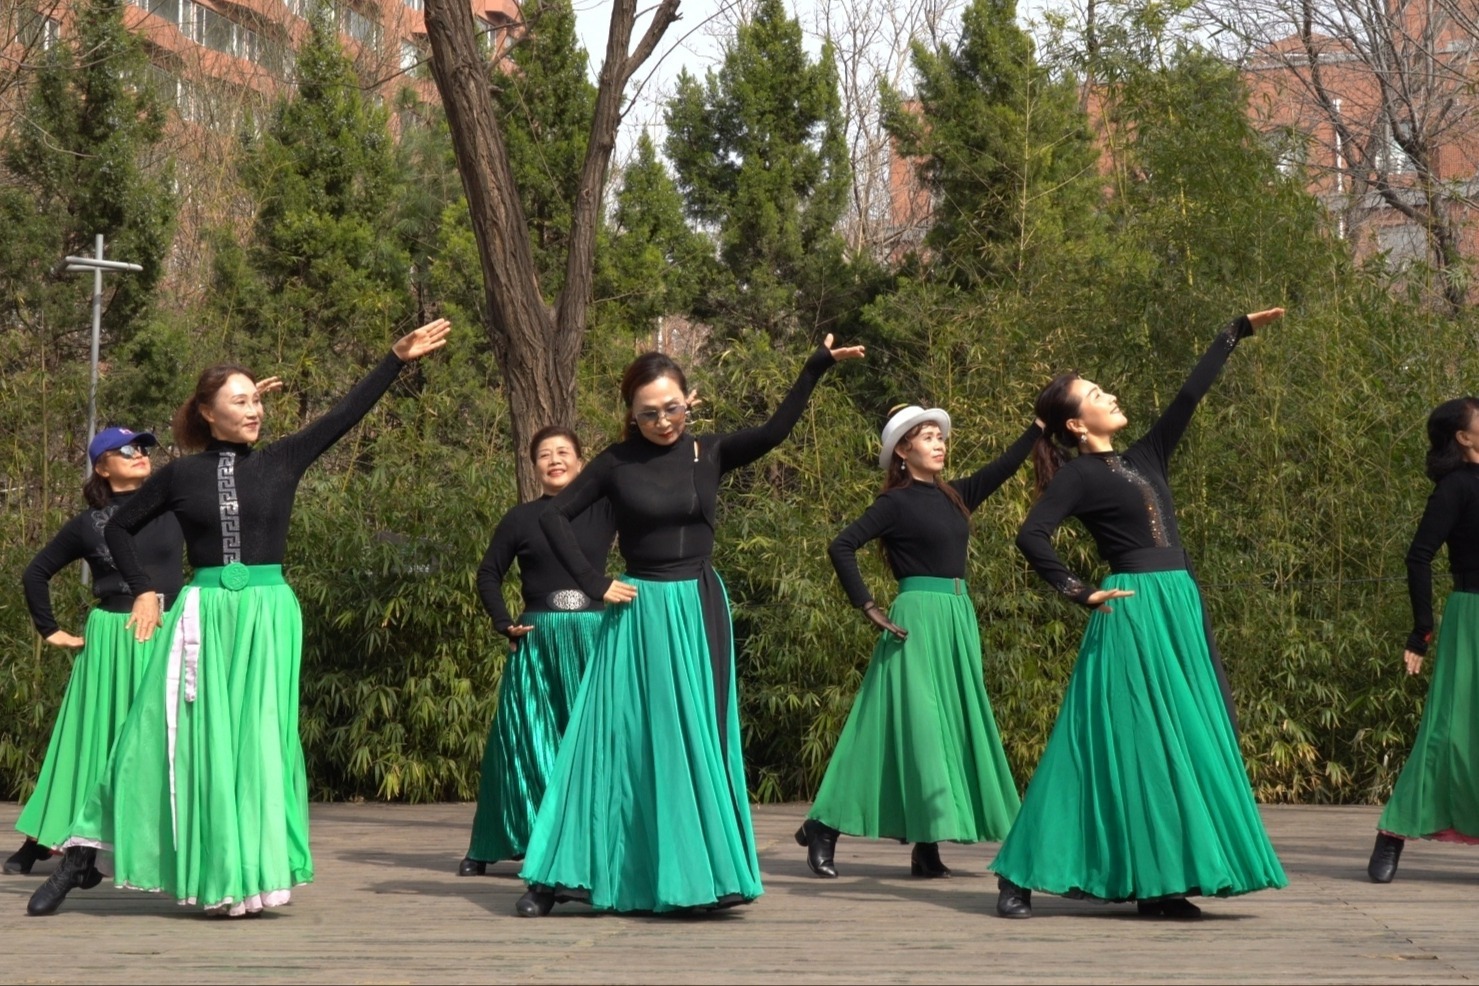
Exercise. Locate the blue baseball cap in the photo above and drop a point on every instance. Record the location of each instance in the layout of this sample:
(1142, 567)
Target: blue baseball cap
(112, 439)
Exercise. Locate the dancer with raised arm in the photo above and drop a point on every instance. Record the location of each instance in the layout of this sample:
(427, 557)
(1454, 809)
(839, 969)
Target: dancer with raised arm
(1437, 793)
(550, 645)
(919, 759)
(206, 795)
(110, 661)
(1142, 793)
(647, 809)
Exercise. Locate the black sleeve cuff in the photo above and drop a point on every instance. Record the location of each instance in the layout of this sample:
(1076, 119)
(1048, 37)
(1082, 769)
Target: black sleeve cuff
(1418, 640)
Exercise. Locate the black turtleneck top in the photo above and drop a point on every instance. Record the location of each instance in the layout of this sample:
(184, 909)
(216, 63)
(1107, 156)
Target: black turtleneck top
(664, 496)
(233, 501)
(1123, 498)
(159, 544)
(518, 536)
(924, 532)
(1452, 518)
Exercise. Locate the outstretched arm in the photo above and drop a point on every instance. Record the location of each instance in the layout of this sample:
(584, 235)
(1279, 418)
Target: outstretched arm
(1166, 433)
(975, 488)
(740, 448)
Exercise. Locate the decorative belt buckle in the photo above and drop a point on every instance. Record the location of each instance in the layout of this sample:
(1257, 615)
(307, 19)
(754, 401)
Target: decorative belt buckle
(235, 576)
(568, 600)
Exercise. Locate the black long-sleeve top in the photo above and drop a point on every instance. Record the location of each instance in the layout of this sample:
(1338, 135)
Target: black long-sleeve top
(664, 496)
(1123, 498)
(518, 536)
(159, 545)
(1451, 517)
(923, 531)
(233, 501)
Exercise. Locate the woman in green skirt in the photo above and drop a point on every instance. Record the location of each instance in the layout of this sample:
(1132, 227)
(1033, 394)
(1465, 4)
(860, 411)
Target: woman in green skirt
(205, 797)
(549, 647)
(1437, 793)
(110, 661)
(647, 808)
(1141, 793)
(919, 759)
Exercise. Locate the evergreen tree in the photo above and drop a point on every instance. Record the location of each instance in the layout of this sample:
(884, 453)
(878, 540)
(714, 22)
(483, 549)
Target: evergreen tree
(760, 157)
(1004, 149)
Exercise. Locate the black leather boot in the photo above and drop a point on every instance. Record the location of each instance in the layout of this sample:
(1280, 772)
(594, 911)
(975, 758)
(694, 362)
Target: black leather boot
(1384, 856)
(925, 861)
(28, 855)
(821, 844)
(1012, 901)
(471, 867)
(75, 870)
(536, 902)
(1173, 908)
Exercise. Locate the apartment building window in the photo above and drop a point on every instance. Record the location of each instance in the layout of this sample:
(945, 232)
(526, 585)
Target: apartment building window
(37, 31)
(416, 4)
(359, 27)
(1390, 158)
(410, 56)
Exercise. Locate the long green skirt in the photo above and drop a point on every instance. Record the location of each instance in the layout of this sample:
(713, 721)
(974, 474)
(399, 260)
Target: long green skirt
(919, 758)
(105, 675)
(540, 681)
(643, 811)
(1437, 793)
(1141, 792)
(206, 796)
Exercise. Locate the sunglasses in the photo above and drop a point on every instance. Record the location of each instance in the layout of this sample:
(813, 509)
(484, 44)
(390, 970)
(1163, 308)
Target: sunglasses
(131, 451)
(673, 412)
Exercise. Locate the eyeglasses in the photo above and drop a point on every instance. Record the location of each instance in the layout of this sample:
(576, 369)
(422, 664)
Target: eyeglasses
(132, 451)
(673, 412)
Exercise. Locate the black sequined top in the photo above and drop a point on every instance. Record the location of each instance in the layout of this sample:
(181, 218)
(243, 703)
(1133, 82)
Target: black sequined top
(1452, 518)
(518, 536)
(924, 532)
(234, 501)
(159, 545)
(1123, 498)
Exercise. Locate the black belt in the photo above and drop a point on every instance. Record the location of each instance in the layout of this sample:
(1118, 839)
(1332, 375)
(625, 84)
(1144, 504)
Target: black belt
(1142, 560)
(1466, 581)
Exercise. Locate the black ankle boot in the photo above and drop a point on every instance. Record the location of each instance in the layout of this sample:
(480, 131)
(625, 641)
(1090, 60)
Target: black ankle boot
(1012, 901)
(1384, 856)
(536, 903)
(925, 861)
(1173, 908)
(28, 855)
(821, 844)
(471, 867)
(75, 870)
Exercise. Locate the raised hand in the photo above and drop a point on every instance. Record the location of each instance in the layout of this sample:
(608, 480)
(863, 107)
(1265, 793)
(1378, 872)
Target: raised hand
(882, 622)
(1098, 599)
(144, 619)
(268, 385)
(62, 638)
(620, 592)
(416, 344)
(1266, 317)
(843, 352)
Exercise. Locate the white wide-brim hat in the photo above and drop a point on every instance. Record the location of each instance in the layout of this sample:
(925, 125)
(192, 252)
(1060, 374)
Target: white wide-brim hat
(900, 423)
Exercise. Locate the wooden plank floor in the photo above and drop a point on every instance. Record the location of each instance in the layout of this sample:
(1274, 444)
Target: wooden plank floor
(386, 908)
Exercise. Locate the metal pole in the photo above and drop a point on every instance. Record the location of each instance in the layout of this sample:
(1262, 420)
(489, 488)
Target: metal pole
(97, 330)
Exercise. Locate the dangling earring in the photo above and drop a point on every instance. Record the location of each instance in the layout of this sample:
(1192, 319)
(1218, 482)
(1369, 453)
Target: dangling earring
(1083, 436)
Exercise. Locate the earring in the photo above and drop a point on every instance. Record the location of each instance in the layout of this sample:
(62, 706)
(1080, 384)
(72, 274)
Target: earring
(1083, 437)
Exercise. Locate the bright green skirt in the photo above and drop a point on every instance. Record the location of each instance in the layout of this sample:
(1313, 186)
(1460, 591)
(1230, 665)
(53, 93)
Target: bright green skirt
(1141, 792)
(540, 681)
(1437, 793)
(206, 796)
(645, 811)
(105, 675)
(919, 758)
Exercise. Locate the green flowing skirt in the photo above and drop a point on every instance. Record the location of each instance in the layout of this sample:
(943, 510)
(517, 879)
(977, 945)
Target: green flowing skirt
(646, 809)
(1437, 793)
(540, 681)
(1142, 792)
(105, 675)
(206, 796)
(919, 758)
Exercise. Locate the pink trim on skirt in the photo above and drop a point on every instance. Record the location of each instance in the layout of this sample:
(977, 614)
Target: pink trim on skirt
(1447, 835)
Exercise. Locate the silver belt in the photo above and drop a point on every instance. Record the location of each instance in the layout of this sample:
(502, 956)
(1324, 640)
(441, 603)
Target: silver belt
(568, 600)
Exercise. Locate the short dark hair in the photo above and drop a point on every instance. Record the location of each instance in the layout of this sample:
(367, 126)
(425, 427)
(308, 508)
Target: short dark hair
(553, 431)
(1445, 454)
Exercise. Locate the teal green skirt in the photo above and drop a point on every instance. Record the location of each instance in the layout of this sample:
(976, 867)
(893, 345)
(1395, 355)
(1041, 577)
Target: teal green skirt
(1142, 792)
(206, 797)
(1437, 793)
(646, 810)
(919, 758)
(540, 681)
(105, 675)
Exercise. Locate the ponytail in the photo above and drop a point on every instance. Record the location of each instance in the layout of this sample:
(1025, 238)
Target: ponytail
(1054, 406)
(189, 427)
(1445, 454)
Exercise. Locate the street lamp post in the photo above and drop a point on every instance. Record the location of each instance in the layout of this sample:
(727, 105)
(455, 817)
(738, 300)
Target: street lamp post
(97, 265)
